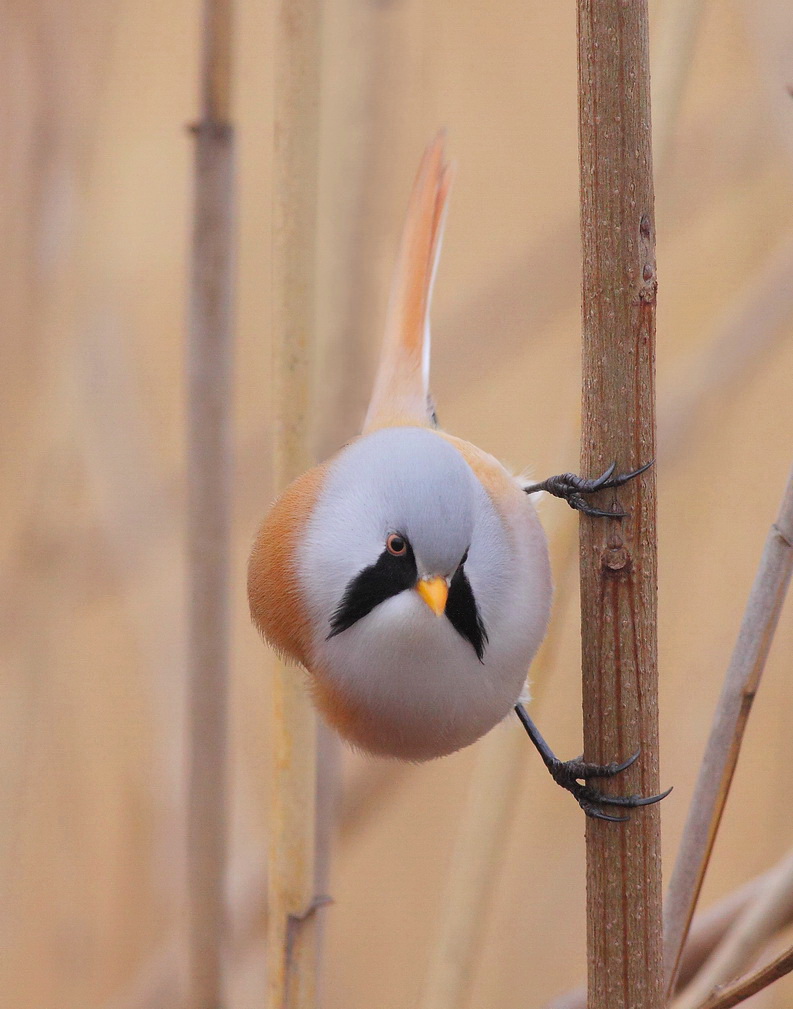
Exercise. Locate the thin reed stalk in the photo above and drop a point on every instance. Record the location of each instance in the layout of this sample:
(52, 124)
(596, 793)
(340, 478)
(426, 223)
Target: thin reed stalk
(732, 712)
(766, 915)
(618, 556)
(754, 982)
(292, 919)
(208, 475)
(487, 815)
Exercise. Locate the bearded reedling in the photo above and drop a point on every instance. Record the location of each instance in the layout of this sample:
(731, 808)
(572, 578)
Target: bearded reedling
(409, 574)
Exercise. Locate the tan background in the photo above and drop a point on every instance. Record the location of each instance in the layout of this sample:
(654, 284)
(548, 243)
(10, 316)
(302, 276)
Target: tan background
(95, 201)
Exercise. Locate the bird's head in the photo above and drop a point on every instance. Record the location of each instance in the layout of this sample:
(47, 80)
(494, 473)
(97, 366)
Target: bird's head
(402, 528)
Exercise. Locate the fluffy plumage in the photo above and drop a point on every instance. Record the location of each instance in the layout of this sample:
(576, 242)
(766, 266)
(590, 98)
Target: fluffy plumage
(416, 646)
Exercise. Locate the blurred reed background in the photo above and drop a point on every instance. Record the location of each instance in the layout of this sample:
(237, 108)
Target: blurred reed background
(96, 202)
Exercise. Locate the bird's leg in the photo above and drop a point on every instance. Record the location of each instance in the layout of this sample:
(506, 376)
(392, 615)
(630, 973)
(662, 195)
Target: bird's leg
(573, 488)
(570, 774)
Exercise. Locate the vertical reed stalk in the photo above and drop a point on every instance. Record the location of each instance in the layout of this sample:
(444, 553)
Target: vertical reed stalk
(618, 556)
(291, 919)
(452, 959)
(209, 472)
(741, 683)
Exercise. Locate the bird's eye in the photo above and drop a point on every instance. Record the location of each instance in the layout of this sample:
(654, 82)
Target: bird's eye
(396, 545)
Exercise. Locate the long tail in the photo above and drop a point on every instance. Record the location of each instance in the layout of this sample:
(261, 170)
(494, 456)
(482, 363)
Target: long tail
(401, 391)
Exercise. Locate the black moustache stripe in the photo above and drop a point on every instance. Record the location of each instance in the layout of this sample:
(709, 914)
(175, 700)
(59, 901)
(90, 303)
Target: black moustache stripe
(388, 577)
(462, 611)
(391, 575)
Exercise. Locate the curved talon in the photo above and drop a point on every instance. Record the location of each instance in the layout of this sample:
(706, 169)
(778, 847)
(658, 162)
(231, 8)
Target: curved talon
(601, 480)
(609, 770)
(569, 774)
(578, 503)
(630, 801)
(572, 775)
(572, 488)
(623, 478)
(582, 769)
(648, 800)
(617, 768)
(598, 814)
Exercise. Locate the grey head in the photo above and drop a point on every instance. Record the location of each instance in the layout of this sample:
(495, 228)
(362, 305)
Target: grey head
(406, 487)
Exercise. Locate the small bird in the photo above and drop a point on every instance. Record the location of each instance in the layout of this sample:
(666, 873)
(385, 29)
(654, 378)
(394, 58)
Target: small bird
(409, 573)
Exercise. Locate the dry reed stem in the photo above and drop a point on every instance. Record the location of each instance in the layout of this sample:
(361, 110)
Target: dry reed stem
(292, 918)
(534, 289)
(679, 20)
(618, 556)
(209, 473)
(769, 911)
(746, 332)
(732, 711)
(709, 927)
(745, 987)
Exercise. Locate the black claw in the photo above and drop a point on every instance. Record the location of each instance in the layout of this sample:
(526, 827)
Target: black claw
(630, 801)
(581, 769)
(578, 503)
(572, 775)
(572, 488)
(568, 775)
(611, 769)
(601, 480)
(648, 800)
(623, 478)
(596, 814)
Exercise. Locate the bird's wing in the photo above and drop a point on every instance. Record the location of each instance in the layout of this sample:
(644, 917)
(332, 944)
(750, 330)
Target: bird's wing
(401, 390)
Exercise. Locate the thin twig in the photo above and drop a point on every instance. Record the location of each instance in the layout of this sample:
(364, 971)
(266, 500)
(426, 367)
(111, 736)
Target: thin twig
(745, 334)
(291, 931)
(470, 871)
(770, 911)
(732, 711)
(745, 987)
(618, 556)
(709, 927)
(209, 473)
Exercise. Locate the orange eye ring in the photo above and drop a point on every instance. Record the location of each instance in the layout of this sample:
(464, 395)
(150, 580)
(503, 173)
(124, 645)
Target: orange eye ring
(396, 545)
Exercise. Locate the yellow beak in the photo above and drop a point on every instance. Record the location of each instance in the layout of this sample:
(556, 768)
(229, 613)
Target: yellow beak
(434, 592)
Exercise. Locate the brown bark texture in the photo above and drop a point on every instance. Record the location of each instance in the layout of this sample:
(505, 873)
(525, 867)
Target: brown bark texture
(618, 556)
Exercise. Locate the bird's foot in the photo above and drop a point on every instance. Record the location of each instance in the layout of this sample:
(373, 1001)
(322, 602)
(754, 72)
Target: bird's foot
(573, 488)
(573, 775)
